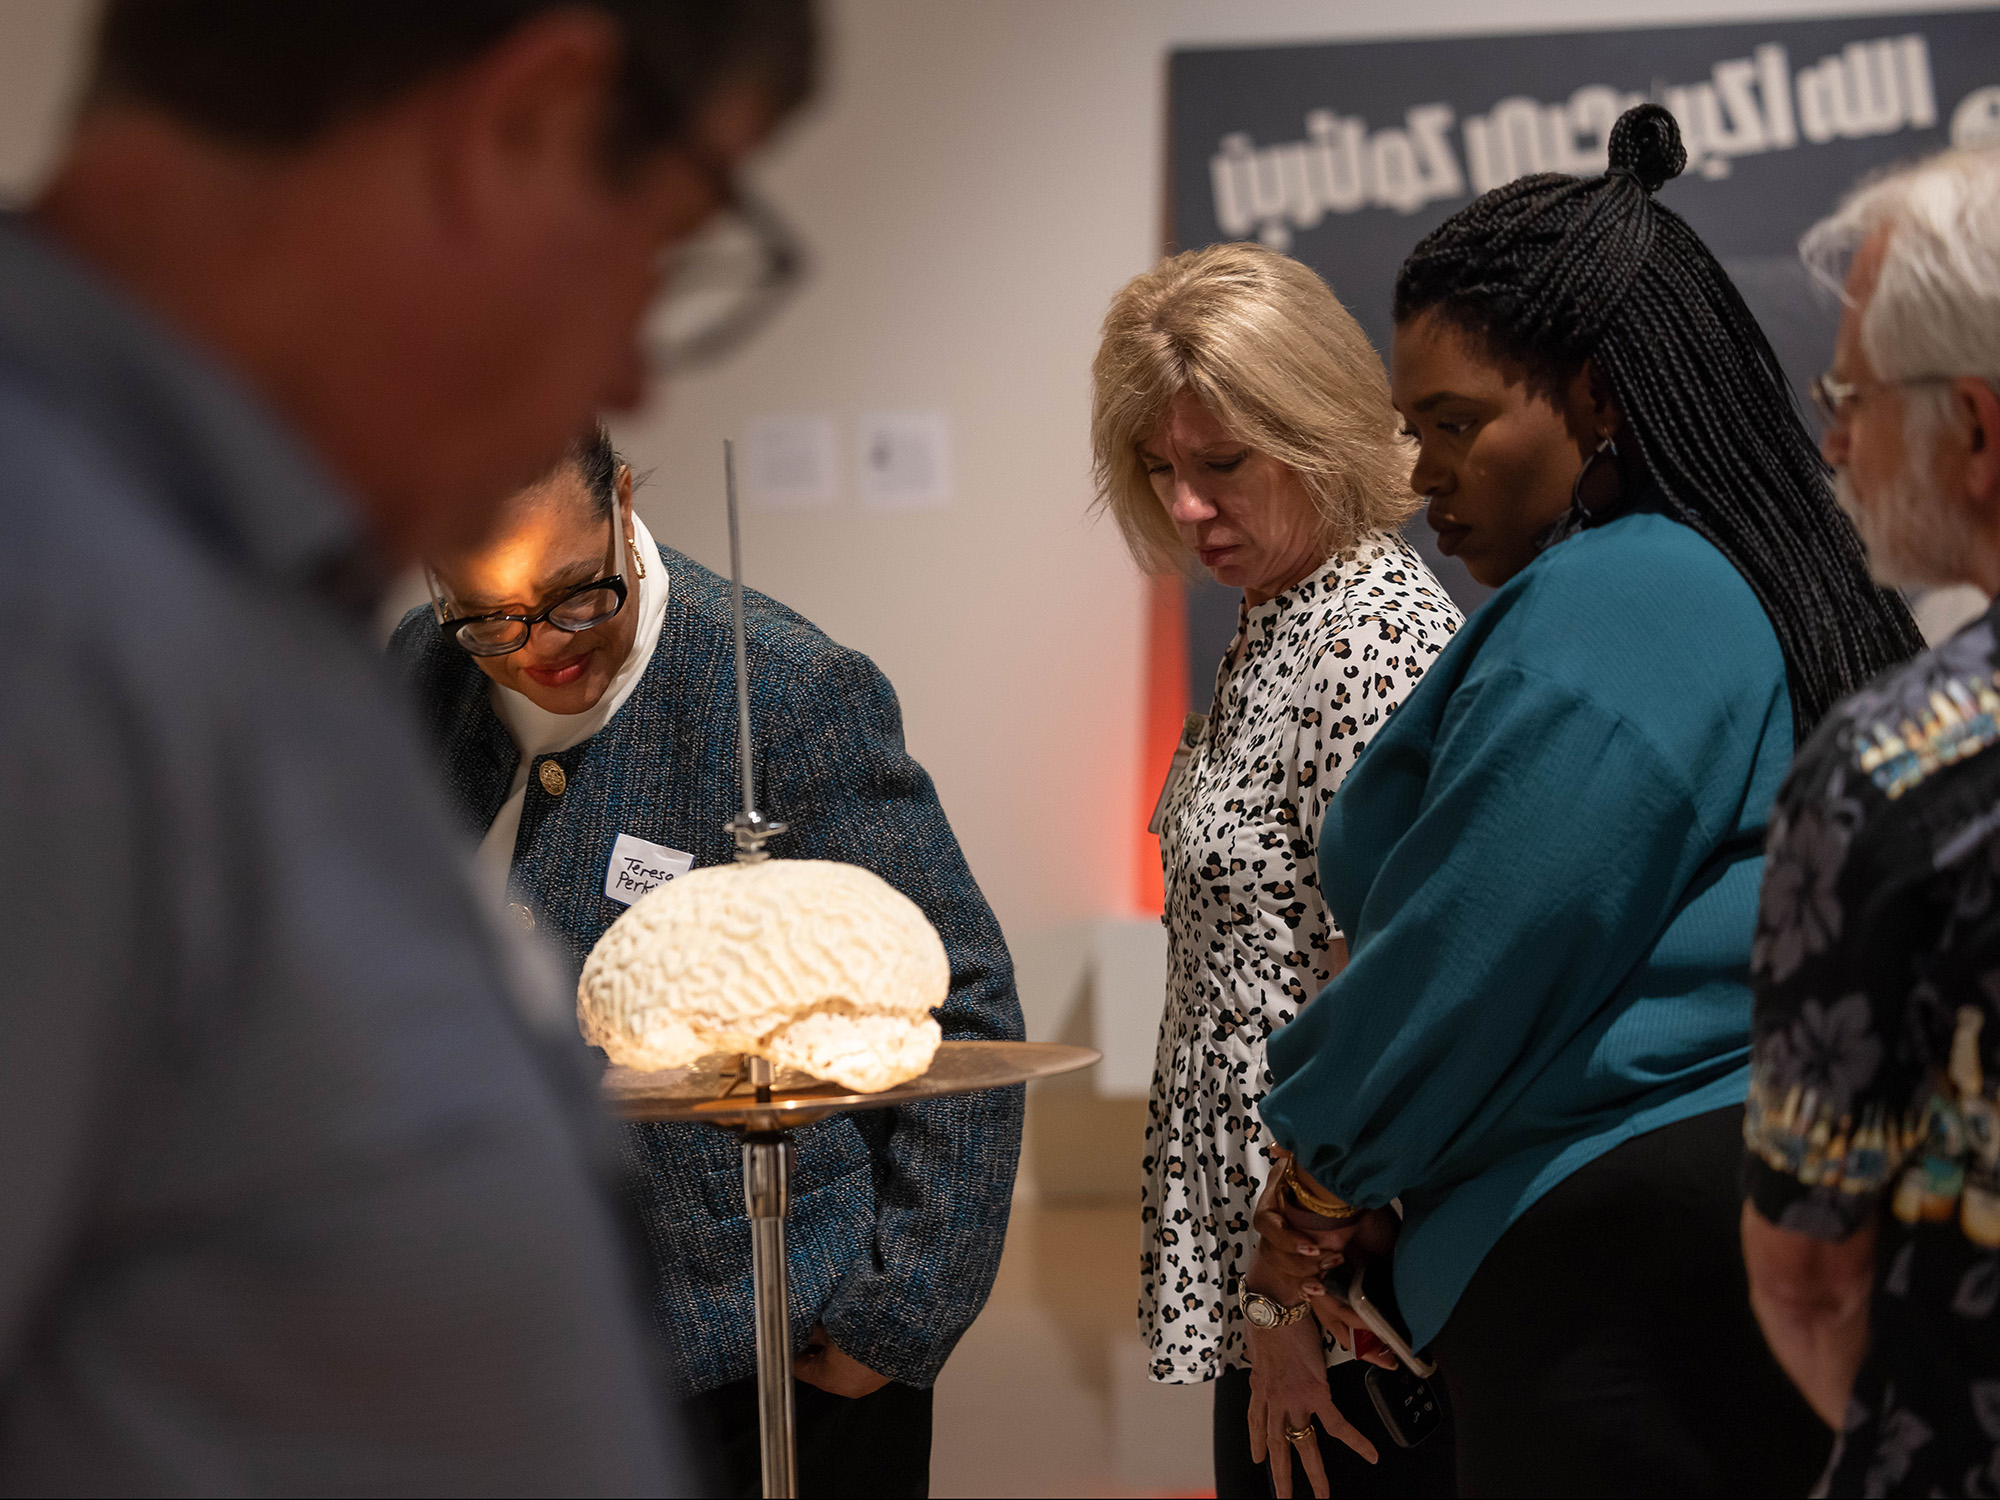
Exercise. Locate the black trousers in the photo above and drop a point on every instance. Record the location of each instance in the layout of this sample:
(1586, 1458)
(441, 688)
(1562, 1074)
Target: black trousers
(1424, 1470)
(1606, 1344)
(876, 1445)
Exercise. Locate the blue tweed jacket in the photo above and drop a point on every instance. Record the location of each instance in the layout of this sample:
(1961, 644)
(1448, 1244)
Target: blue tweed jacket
(897, 1215)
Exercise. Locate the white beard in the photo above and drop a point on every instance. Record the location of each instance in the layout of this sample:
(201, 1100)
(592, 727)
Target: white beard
(1913, 539)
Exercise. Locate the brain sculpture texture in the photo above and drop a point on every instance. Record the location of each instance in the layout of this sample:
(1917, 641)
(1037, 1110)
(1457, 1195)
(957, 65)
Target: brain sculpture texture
(815, 965)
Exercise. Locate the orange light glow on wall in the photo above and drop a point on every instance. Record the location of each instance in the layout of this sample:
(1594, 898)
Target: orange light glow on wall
(1166, 706)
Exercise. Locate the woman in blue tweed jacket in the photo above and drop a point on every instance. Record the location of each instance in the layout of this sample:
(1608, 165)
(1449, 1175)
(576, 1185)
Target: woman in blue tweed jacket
(618, 718)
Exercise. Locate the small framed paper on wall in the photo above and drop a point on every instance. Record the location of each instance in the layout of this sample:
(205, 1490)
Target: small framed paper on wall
(905, 461)
(791, 462)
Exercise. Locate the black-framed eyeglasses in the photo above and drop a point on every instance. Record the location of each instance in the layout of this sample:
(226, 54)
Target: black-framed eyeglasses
(726, 283)
(1834, 397)
(574, 610)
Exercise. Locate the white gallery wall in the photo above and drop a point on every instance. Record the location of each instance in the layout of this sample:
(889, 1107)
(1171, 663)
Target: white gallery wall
(978, 178)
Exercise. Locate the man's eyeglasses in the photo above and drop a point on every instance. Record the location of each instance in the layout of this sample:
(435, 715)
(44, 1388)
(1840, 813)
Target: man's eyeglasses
(722, 286)
(1834, 398)
(584, 607)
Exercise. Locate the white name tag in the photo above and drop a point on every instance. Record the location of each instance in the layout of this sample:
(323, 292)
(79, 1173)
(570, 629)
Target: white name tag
(638, 867)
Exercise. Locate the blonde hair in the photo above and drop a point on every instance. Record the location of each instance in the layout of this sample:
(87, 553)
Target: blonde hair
(1261, 342)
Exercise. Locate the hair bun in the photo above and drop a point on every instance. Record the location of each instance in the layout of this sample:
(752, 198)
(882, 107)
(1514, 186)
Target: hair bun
(1646, 146)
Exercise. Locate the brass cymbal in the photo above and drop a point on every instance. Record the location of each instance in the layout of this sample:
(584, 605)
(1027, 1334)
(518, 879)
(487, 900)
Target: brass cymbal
(714, 1091)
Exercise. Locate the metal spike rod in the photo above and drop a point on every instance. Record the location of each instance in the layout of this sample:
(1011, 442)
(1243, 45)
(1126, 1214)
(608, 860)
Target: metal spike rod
(750, 827)
(766, 1193)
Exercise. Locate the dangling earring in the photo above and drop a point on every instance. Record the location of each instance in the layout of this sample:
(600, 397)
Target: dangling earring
(1581, 510)
(1607, 448)
(638, 562)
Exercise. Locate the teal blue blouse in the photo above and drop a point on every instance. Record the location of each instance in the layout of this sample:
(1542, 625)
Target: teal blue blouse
(1546, 866)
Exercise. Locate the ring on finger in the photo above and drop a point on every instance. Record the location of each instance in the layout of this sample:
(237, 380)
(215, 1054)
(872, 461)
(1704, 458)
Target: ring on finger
(1298, 1434)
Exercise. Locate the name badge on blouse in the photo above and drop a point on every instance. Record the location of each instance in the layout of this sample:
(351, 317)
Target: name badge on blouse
(1191, 732)
(638, 867)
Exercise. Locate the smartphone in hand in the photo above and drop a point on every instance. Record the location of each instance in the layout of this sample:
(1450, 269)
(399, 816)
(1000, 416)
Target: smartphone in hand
(1408, 1406)
(1404, 1398)
(1382, 1320)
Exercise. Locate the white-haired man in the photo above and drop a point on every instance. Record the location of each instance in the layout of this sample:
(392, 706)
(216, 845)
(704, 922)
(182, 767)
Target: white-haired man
(1872, 1171)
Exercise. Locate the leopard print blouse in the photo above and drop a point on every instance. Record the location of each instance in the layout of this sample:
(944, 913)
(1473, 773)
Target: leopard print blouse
(1308, 679)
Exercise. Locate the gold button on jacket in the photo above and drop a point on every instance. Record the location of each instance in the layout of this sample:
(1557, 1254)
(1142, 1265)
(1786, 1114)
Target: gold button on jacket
(553, 780)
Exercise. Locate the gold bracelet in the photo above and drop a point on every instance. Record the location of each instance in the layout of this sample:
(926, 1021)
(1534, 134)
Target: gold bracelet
(1326, 1206)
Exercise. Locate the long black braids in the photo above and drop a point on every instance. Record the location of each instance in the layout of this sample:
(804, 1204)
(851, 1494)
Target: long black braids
(1549, 272)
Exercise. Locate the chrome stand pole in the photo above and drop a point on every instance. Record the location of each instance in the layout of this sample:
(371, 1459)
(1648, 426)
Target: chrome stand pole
(766, 1195)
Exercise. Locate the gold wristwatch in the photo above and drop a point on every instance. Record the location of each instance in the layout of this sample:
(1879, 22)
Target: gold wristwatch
(1264, 1312)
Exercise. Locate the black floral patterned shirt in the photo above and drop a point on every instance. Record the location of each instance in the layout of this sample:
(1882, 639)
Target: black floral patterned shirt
(1875, 1087)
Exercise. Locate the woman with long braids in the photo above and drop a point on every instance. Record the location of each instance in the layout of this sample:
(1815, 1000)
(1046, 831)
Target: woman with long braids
(1548, 861)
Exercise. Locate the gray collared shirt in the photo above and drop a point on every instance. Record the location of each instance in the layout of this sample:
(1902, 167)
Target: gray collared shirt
(296, 1194)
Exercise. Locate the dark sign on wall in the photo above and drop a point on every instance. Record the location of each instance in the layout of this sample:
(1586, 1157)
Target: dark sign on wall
(1346, 154)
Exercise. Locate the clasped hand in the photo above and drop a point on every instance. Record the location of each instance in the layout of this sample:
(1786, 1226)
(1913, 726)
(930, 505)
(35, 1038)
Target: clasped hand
(1297, 1250)
(830, 1367)
(1288, 1385)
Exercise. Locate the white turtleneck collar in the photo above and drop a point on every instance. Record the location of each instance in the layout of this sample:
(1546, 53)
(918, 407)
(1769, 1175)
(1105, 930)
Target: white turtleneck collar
(537, 732)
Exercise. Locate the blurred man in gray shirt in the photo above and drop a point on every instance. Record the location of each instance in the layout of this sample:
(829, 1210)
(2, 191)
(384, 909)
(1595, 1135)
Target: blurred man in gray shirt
(300, 1171)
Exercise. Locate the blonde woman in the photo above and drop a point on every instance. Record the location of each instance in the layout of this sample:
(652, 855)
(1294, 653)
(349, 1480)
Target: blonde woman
(1241, 423)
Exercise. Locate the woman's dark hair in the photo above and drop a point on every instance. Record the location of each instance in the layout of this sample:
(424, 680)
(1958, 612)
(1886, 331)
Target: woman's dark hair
(597, 464)
(276, 73)
(1551, 272)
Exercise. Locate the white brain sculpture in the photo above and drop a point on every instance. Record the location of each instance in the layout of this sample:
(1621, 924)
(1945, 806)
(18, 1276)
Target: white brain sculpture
(814, 965)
